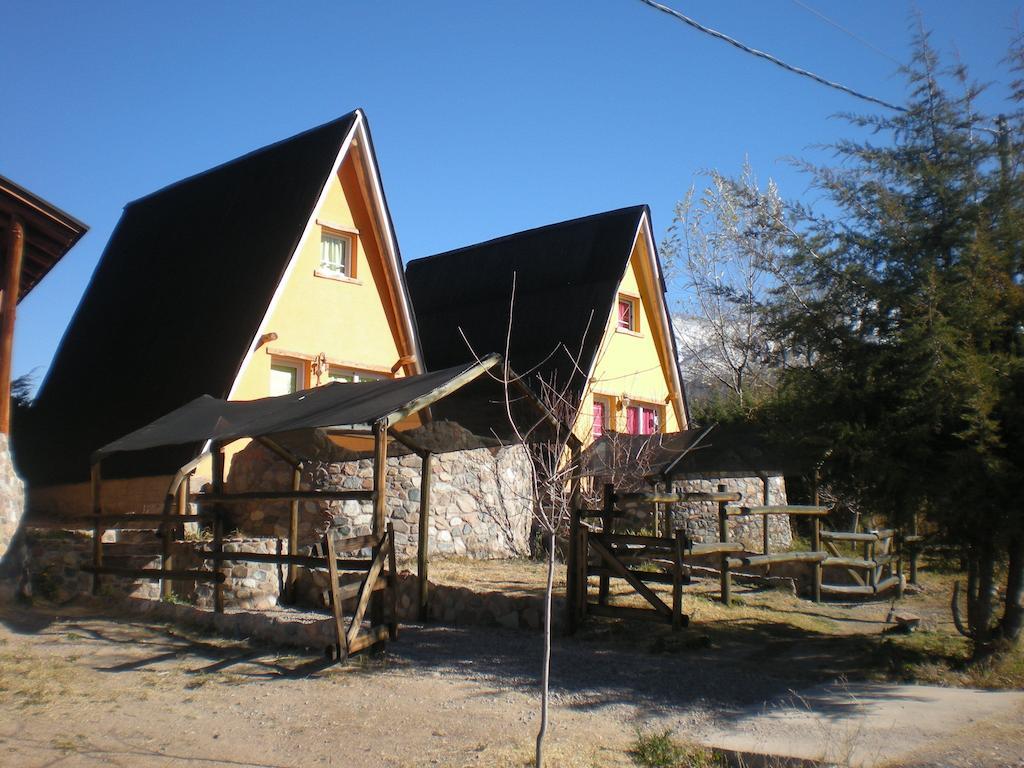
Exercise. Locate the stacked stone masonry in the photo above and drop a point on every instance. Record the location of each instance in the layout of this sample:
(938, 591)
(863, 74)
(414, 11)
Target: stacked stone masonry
(480, 502)
(700, 521)
(12, 497)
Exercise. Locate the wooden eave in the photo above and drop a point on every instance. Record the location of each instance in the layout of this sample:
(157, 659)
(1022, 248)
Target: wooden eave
(49, 232)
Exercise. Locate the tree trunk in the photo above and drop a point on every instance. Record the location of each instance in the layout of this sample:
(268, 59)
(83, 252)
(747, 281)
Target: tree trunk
(547, 650)
(1013, 613)
(981, 627)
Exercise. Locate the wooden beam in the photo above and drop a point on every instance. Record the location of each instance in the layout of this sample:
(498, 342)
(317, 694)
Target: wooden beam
(9, 307)
(217, 545)
(725, 581)
(96, 488)
(293, 534)
(342, 646)
(154, 573)
(306, 561)
(779, 509)
(816, 544)
(628, 500)
(714, 548)
(392, 583)
(294, 495)
(846, 536)
(607, 521)
(784, 557)
(365, 593)
(380, 508)
(423, 544)
(452, 385)
(624, 612)
(622, 572)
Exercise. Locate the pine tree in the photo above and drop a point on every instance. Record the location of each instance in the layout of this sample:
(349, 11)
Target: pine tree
(906, 302)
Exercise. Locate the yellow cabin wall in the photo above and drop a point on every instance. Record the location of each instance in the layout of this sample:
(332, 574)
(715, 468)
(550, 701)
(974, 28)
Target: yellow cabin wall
(632, 366)
(353, 322)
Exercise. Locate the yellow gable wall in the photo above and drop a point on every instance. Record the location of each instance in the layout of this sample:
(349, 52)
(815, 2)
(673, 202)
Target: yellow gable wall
(631, 364)
(353, 322)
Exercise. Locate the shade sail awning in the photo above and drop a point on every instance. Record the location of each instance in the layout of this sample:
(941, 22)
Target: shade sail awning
(335, 406)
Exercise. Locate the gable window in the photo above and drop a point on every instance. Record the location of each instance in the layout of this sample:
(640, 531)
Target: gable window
(336, 254)
(643, 419)
(347, 376)
(285, 378)
(628, 314)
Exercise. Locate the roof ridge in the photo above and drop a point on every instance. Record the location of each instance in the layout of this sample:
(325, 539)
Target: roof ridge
(640, 208)
(355, 113)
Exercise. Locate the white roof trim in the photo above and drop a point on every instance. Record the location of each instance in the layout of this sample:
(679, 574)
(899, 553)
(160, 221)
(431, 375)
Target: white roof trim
(358, 130)
(385, 225)
(666, 323)
(310, 225)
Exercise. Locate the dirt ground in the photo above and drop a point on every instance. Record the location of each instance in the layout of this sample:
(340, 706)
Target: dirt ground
(81, 689)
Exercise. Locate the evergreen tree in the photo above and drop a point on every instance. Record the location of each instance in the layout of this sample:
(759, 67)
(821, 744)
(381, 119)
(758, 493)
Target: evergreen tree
(905, 305)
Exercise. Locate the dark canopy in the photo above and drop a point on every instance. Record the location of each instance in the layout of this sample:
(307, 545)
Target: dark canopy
(725, 449)
(295, 418)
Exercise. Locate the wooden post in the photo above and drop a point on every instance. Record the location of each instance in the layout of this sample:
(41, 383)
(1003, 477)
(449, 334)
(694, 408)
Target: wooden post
(96, 485)
(293, 535)
(677, 581)
(723, 536)
(765, 495)
(166, 529)
(572, 565)
(380, 497)
(607, 519)
(392, 583)
(12, 286)
(341, 647)
(899, 563)
(583, 553)
(217, 481)
(423, 547)
(817, 548)
(914, 549)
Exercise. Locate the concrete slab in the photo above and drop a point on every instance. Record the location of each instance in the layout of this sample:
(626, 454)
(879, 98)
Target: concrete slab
(861, 724)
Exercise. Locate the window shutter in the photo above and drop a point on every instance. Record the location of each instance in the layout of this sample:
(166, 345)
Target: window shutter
(633, 420)
(598, 428)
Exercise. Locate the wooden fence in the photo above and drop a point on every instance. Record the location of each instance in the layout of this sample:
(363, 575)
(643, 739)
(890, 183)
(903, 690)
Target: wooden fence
(642, 560)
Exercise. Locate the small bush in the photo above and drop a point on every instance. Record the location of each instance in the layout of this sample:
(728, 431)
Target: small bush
(657, 749)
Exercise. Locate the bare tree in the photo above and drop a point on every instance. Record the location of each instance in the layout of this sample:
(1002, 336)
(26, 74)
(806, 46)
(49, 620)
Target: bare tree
(723, 253)
(553, 451)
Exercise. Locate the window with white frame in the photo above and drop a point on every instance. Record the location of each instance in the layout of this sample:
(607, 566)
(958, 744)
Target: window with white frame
(627, 314)
(348, 376)
(643, 419)
(336, 254)
(285, 378)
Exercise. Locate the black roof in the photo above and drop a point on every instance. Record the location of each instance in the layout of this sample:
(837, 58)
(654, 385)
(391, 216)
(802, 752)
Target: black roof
(566, 279)
(173, 305)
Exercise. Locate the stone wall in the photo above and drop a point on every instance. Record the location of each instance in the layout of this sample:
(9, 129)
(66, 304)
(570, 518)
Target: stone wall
(480, 501)
(701, 520)
(12, 497)
(120, 496)
(249, 586)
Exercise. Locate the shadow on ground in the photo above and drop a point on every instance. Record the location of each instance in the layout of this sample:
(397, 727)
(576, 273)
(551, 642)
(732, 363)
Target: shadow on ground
(724, 667)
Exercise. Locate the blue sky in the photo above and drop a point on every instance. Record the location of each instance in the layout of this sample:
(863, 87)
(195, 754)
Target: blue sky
(488, 118)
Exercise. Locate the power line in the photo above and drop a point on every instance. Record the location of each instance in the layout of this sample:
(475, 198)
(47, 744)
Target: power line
(844, 30)
(768, 57)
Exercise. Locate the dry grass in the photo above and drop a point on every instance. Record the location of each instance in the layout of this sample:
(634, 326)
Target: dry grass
(31, 681)
(855, 632)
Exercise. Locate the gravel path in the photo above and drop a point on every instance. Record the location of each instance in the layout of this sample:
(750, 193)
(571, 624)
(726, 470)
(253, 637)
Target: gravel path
(78, 689)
